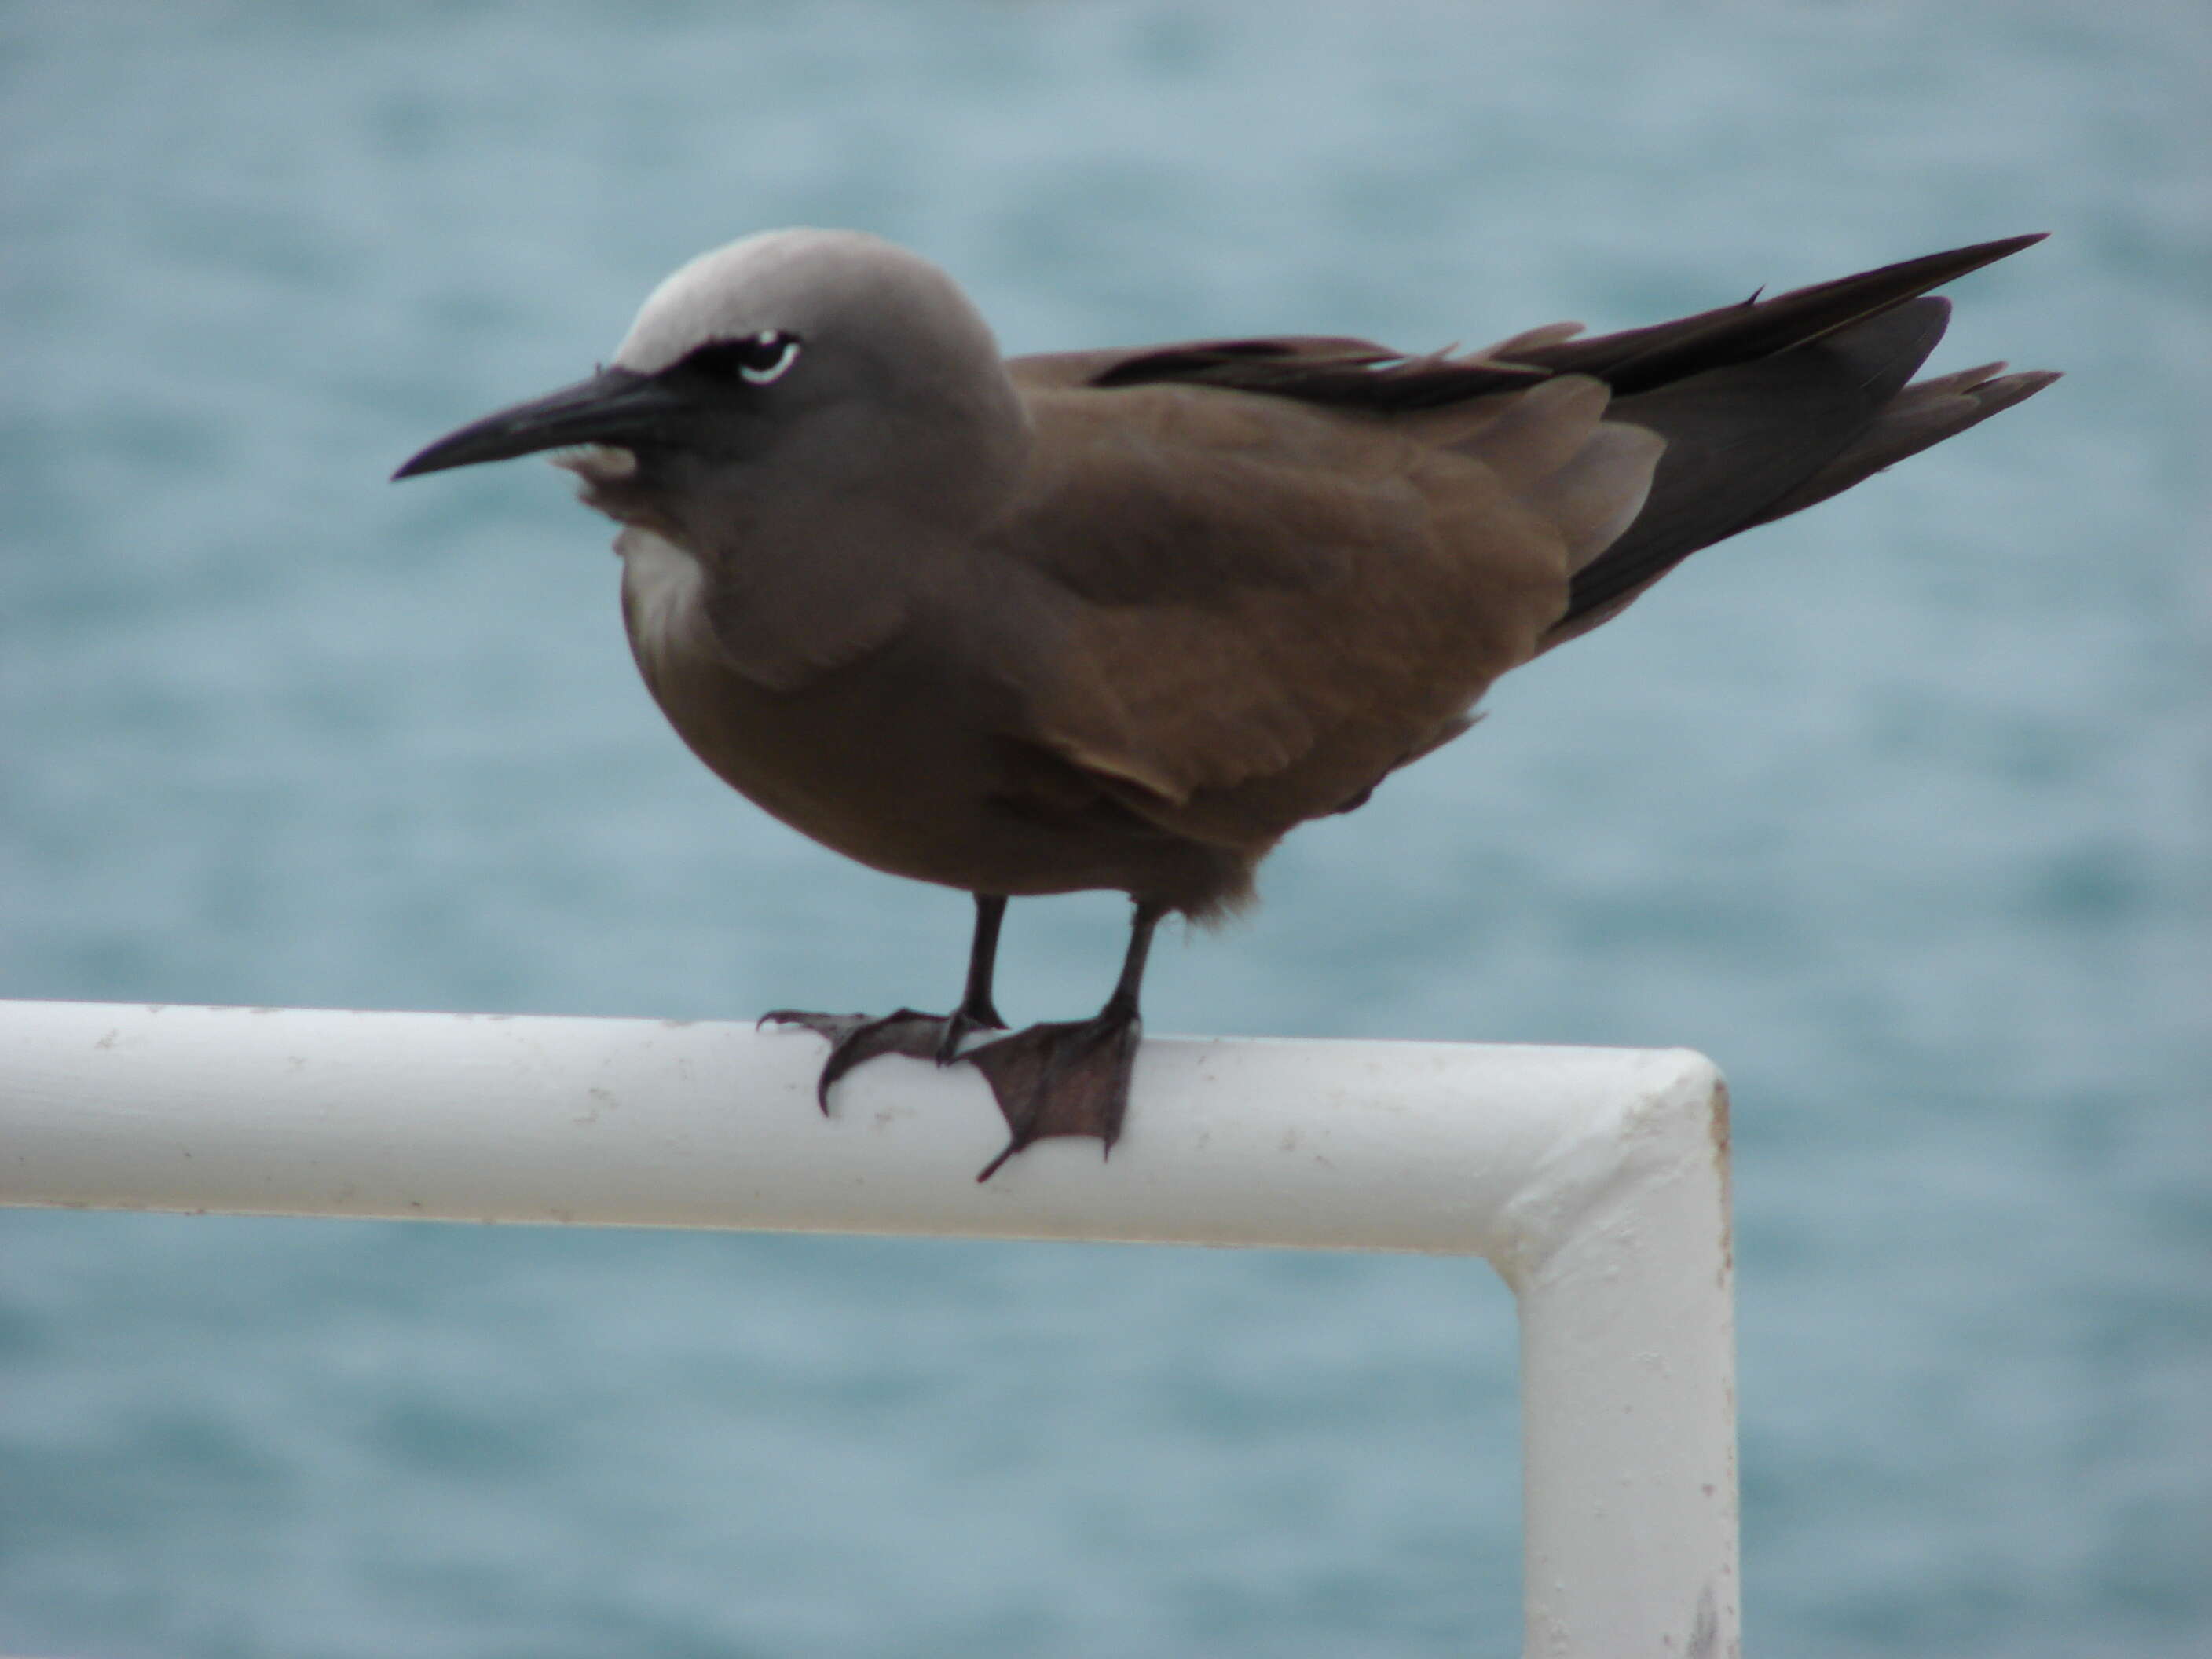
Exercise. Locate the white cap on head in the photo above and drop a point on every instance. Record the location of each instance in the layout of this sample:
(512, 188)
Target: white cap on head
(807, 283)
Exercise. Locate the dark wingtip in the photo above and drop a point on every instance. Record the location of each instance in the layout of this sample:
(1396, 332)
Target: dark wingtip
(1995, 397)
(1975, 255)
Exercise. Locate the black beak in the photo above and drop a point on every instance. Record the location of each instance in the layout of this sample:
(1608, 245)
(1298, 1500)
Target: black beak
(614, 406)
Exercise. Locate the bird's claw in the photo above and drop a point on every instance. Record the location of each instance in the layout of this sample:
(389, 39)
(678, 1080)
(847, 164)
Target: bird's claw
(855, 1039)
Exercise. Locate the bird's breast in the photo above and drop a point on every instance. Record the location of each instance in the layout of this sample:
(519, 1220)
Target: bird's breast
(860, 758)
(896, 759)
(759, 740)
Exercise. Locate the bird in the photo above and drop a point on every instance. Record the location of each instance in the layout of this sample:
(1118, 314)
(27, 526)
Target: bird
(1121, 619)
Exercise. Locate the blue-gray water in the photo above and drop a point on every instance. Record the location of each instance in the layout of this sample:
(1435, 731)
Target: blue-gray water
(1899, 810)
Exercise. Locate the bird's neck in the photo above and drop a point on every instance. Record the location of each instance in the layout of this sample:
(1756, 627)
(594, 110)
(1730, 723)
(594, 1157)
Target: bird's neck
(778, 604)
(815, 555)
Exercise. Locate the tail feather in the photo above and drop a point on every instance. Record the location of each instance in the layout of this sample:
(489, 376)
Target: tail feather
(1925, 414)
(1742, 438)
(1769, 407)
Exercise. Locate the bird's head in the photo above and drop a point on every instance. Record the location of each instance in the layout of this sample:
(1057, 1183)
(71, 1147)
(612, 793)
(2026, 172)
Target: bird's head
(794, 367)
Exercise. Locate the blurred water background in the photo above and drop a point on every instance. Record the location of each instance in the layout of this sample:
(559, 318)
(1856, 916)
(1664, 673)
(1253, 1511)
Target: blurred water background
(1899, 810)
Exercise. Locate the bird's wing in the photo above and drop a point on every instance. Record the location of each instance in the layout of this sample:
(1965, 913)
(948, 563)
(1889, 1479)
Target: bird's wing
(1260, 607)
(1289, 565)
(1766, 406)
(1337, 371)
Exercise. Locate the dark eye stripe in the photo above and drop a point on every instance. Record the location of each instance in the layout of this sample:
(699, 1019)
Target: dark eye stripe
(756, 358)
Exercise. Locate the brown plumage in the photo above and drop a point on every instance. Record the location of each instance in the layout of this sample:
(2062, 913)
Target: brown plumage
(1123, 619)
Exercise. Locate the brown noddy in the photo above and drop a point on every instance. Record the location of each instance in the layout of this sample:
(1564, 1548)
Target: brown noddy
(1123, 619)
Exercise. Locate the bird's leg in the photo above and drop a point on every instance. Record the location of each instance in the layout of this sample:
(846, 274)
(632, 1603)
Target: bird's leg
(1071, 1078)
(855, 1038)
(977, 1012)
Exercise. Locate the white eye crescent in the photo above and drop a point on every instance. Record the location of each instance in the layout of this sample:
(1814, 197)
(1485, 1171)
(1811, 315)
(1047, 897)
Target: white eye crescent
(777, 353)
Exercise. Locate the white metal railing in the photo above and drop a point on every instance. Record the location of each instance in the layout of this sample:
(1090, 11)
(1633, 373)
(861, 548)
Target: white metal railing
(1594, 1180)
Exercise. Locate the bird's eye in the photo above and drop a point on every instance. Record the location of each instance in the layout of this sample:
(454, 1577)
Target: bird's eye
(757, 359)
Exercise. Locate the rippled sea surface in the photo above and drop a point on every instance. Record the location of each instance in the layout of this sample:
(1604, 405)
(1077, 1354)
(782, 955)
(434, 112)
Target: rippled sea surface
(1899, 810)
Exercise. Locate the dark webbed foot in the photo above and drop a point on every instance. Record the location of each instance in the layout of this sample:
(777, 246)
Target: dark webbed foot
(1062, 1080)
(1071, 1079)
(855, 1039)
